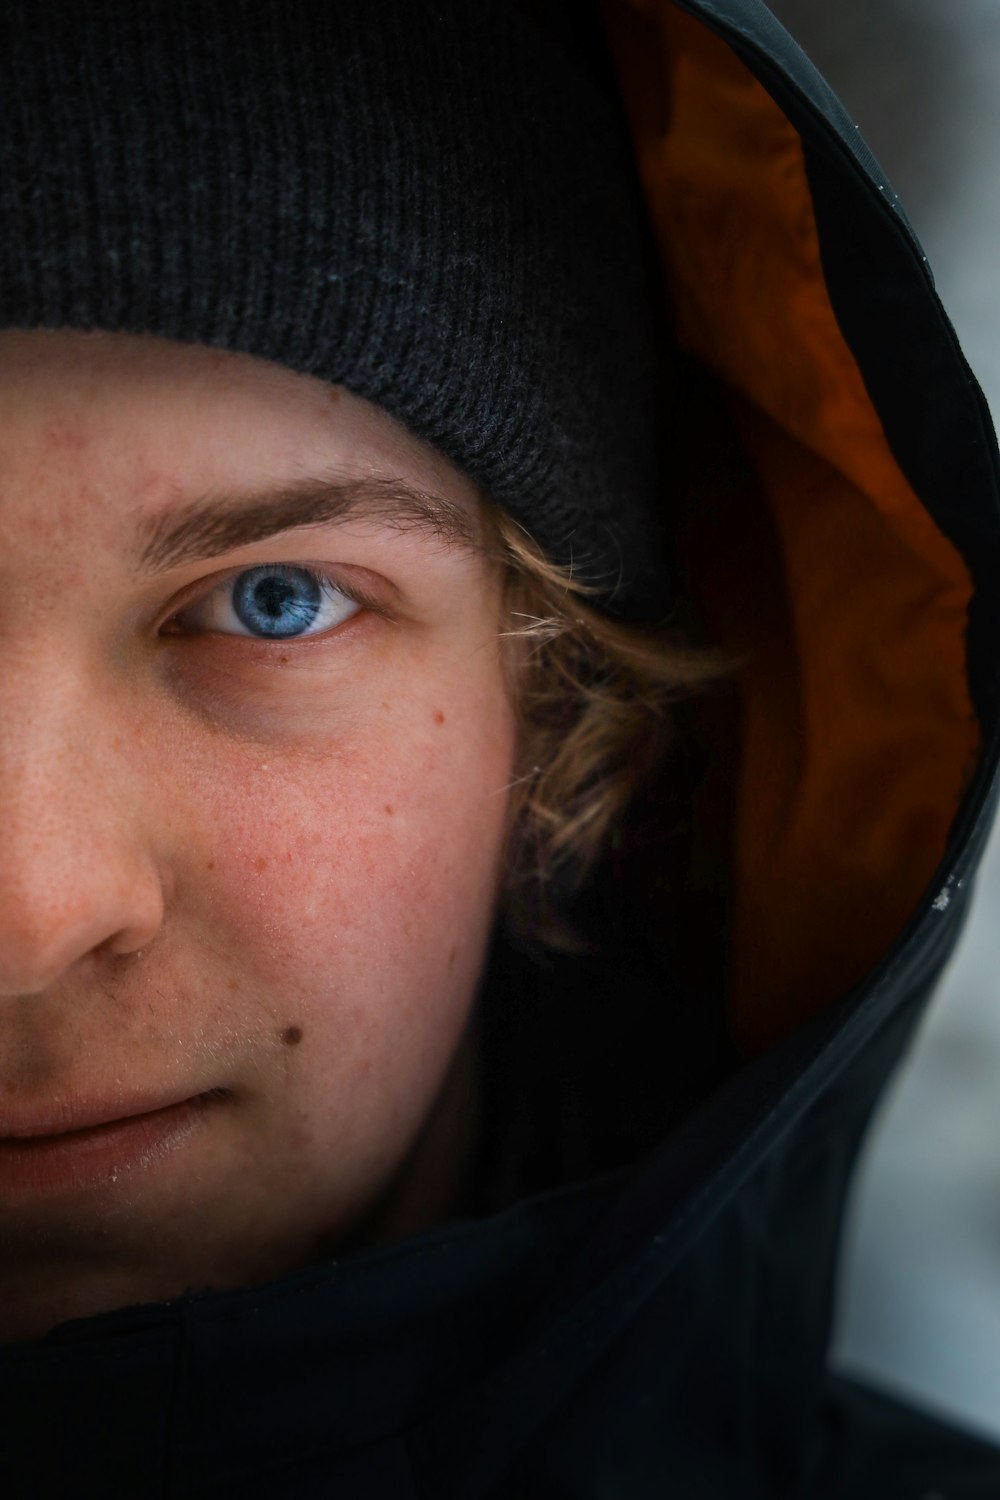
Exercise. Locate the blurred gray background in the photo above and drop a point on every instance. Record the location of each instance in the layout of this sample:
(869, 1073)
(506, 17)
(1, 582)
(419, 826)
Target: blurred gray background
(919, 1305)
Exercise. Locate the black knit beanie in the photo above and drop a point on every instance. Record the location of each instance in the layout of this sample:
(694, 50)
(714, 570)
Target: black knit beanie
(433, 204)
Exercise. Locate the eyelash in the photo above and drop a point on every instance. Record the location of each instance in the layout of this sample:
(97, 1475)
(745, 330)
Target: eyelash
(325, 581)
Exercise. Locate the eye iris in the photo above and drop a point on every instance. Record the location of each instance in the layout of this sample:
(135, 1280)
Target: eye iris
(278, 601)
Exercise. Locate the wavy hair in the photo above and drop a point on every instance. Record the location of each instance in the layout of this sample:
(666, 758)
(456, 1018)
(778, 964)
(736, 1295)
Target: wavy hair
(592, 698)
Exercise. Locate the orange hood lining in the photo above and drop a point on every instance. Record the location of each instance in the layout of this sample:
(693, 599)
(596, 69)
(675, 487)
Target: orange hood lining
(857, 734)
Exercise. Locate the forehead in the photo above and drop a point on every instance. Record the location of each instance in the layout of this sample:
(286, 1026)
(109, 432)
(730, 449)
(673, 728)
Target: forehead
(163, 430)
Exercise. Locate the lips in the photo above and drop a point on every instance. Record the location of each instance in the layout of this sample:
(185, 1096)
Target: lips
(74, 1116)
(98, 1153)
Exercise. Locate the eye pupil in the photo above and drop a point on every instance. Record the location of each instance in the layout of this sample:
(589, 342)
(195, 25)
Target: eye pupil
(272, 596)
(278, 600)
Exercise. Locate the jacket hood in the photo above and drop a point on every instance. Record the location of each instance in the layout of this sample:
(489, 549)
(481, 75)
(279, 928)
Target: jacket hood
(645, 1289)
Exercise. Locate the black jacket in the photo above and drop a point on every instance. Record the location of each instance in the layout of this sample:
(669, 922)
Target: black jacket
(639, 1303)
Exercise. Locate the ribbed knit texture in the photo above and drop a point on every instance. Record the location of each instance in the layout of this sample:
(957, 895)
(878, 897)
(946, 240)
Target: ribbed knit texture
(433, 204)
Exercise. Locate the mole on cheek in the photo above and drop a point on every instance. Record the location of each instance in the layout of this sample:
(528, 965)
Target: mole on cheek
(291, 1036)
(438, 716)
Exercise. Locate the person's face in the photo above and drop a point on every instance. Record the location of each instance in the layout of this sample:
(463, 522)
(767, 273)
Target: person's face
(250, 832)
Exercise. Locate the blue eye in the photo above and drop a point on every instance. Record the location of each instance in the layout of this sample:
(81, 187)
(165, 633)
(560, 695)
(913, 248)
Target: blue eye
(275, 601)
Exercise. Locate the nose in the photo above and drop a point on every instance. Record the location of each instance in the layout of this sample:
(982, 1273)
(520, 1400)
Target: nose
(77, 873)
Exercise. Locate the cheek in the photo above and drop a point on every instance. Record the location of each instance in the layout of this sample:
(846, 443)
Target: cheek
(361, 890)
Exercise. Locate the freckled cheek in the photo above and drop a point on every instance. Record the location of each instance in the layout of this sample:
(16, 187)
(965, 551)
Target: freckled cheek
(431, 866)
(349, 900)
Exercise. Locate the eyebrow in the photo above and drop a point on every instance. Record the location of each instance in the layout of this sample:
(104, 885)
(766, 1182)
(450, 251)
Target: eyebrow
(216, 523)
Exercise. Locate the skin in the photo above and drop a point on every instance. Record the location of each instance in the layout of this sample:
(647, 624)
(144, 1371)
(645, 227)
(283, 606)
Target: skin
(276, 877)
